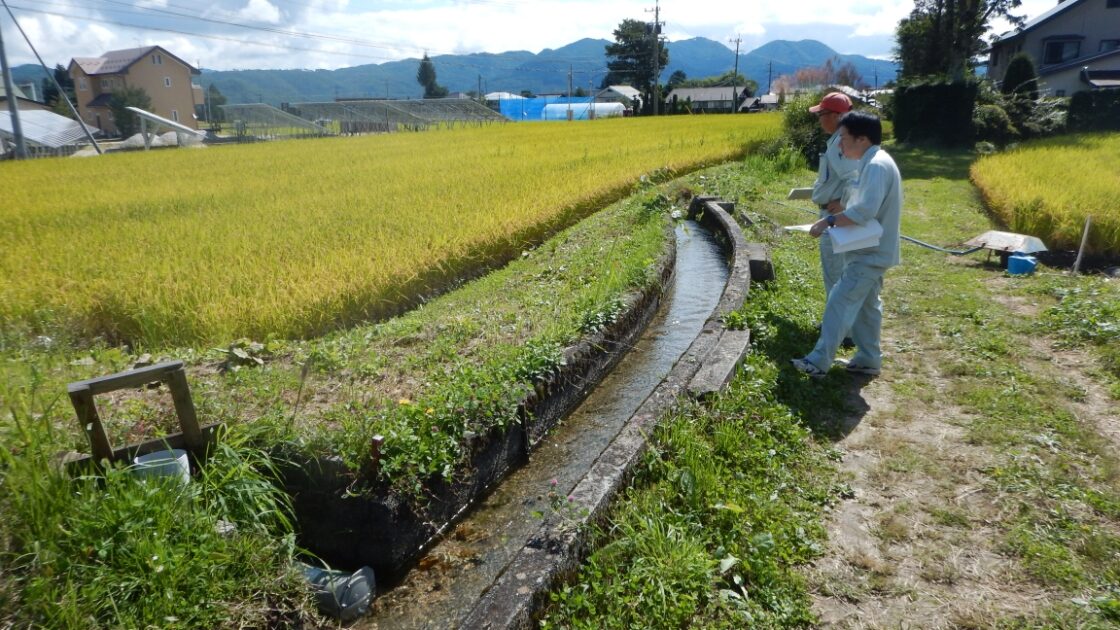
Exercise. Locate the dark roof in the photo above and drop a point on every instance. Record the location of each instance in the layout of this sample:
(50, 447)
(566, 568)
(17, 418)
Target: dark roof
(1101, 78)
(117, 61)
(1058, 9)
(102, 100)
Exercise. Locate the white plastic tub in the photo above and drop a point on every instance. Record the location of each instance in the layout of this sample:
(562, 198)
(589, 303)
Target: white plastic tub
(172, 463)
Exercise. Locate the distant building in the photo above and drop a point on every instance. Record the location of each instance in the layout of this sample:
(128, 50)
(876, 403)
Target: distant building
(711, 99)
(1075, 46)
(166, 78)
(24, 103)
(619, 94)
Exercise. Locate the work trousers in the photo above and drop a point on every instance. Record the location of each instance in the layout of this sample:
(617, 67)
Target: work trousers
(853, 305)
(832, 265)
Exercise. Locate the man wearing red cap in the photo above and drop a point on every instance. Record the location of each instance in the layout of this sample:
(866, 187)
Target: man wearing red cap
(835, 175)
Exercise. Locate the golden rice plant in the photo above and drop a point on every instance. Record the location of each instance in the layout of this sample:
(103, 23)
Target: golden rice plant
(295, 238)
(1048, 187)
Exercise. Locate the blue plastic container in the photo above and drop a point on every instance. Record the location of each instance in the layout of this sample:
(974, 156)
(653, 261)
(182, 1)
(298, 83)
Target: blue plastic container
(1020, 264)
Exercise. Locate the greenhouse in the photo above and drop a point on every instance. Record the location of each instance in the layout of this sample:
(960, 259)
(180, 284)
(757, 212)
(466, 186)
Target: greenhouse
(381, 116)
(582, 111)
(257, 121)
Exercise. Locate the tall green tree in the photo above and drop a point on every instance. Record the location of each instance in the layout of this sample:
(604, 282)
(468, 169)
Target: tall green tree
(127, 122)
(51, 95)
(942, 37)
(630, 57)
(1021, 77)
(426, 76)
(212, 108)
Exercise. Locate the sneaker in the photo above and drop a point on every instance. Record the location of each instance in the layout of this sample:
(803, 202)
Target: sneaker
(805, 367)
(856, 368)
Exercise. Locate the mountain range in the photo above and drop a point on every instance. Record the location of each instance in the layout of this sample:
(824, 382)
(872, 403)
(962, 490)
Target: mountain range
(514, 71)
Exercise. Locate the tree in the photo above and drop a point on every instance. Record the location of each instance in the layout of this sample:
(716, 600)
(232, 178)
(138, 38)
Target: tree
(678, 79)
(50, 92)
(213, 106)
(630, 57)
(426, 76)
(1020, 93)
(727, 79)
(1021, 77)
(127, 122)
(941, 37)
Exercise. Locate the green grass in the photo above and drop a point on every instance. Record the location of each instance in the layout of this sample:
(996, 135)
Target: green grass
(729, 501)
(426, 380)
(114, 551)
(985, 337)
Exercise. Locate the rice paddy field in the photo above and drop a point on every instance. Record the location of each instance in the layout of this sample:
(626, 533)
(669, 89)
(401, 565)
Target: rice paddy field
(1048, 188)
(294, 239)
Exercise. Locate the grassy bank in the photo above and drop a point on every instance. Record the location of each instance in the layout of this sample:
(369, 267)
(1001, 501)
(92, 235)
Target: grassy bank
(972, 485)
(111, 551)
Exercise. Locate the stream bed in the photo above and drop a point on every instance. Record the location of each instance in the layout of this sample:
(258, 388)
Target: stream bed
(451, 577)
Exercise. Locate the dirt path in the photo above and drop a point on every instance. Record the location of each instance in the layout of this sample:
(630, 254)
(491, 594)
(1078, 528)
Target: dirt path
(919, 543)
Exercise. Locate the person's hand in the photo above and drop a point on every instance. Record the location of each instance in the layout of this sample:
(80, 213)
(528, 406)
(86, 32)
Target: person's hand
(834, 207)
(818, 228)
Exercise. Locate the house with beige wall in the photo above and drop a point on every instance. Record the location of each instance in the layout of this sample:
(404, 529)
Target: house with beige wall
(1075, 46)
(166, 79)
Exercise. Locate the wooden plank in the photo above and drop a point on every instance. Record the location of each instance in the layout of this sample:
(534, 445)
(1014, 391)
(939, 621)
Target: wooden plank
(82, 399)
(184, 408)
(129, 378)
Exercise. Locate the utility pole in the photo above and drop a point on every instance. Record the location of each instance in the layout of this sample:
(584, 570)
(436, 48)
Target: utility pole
(656, 31)
(735, 79)
(569, 92)
(13, 105)
(769, 74)
(481, 97)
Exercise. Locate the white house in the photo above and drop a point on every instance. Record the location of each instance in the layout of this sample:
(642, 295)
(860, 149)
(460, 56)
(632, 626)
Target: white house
(1075, 46)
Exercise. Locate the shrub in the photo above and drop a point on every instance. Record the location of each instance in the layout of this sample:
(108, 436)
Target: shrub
(1095, 111)
(935, 112)
(994, 125)
(802, 133)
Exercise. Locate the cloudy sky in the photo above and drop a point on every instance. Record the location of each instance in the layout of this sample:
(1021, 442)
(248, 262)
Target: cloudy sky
(243, 34)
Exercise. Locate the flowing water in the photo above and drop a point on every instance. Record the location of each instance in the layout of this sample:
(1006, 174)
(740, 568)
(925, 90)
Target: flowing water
(448, 581)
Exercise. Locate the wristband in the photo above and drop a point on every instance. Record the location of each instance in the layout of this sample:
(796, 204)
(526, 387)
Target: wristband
(830, 220)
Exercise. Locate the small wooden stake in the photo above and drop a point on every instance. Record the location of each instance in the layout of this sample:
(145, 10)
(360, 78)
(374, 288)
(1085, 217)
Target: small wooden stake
(1081, 250)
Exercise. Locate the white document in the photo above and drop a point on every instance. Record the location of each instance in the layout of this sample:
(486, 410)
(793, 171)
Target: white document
(852, 237)
(800, 193)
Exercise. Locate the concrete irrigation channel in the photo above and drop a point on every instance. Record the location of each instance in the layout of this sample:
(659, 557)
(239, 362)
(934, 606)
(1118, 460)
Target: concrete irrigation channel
(495, 566)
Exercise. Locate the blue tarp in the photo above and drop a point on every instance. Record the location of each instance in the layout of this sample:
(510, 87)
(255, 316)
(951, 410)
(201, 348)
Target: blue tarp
(533, 108)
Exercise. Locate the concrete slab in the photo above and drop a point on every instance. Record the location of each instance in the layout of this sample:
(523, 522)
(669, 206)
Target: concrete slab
(718, 368)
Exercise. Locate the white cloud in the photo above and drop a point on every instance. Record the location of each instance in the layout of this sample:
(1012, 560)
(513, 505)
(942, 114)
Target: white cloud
(260, 11)
(374, 31)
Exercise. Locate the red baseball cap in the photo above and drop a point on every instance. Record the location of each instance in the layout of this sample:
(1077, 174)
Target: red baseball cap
(833, 102)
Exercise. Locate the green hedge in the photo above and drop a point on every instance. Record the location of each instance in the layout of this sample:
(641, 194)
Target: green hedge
(1095, 111)
(935, 112)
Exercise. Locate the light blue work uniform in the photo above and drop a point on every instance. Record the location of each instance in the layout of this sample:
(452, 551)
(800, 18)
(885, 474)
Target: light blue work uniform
(834, 178)
(853, 304)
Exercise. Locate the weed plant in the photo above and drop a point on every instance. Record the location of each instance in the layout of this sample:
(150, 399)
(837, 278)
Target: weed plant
(1047, 188)
(111, 550)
